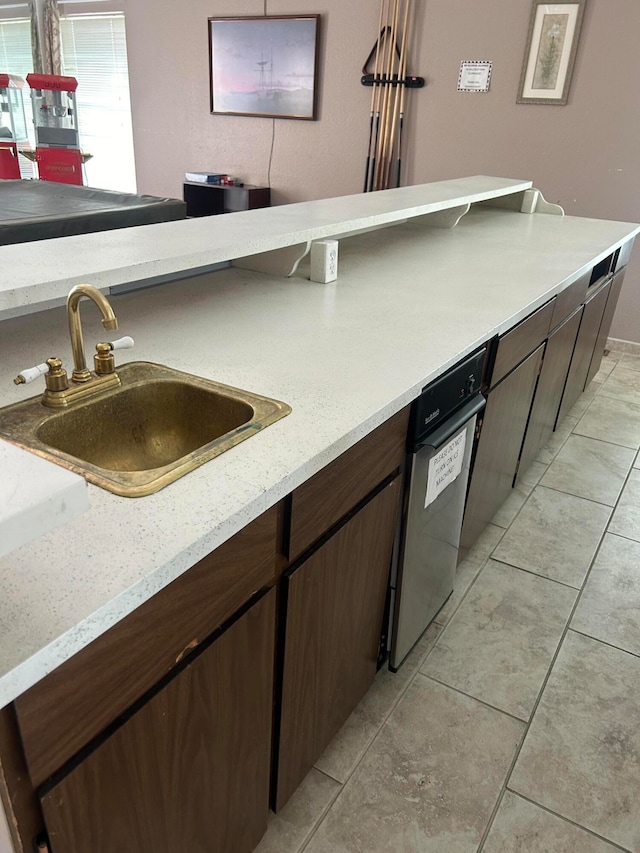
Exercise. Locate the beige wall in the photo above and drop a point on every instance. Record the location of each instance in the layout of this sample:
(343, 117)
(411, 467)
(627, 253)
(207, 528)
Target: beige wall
(584, 155)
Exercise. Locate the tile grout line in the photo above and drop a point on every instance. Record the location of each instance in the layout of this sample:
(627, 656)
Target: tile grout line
(615, 443)
(333, 800)
(620, 536)
(549, 671)
(571, 494)
(536, 461)
(536, 574)
(483, 566)
(581, 497)
(309, 837)
(535, 707)
(605, 643)
(598, 393)
(569, 821)
(475, 698)
(455, 610)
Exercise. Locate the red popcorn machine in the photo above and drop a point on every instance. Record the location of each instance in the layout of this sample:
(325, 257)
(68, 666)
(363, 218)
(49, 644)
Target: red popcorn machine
(55, 118)
(13, 125)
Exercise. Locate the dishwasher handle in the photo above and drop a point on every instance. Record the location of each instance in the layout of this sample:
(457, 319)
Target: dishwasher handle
(451, 426)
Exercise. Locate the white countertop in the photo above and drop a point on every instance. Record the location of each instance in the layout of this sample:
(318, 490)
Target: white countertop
(35, 497)
(409, 302)
(43, 272)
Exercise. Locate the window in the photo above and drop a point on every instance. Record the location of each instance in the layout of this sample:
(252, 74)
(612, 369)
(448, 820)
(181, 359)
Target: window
(15, 46)
(94, 51)
(15, 58)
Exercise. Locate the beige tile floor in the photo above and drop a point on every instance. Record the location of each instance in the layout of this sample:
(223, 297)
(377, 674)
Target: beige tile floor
(514, 726)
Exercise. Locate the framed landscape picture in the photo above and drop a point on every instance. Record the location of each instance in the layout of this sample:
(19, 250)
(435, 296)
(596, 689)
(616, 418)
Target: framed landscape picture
(552, 43)
(264, 66)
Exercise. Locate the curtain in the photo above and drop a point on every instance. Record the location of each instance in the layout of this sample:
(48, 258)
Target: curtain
(51, 59)
(35, 38)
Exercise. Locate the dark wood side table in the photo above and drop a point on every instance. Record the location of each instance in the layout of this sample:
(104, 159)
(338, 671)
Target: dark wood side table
(211, 199)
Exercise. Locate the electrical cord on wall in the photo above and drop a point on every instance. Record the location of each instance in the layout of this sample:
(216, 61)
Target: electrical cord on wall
(273, 136)
(273, 128)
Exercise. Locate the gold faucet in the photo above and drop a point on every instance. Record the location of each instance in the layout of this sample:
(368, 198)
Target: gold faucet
(84, 383)
(109, 320)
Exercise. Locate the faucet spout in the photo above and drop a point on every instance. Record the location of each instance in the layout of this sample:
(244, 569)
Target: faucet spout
(109, 320)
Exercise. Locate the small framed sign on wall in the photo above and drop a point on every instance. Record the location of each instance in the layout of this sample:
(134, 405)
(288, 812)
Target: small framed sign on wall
(264, 66)
(474, 76)
(552, 43)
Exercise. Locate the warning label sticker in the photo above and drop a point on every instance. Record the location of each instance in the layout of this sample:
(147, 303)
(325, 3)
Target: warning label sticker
(445, 466)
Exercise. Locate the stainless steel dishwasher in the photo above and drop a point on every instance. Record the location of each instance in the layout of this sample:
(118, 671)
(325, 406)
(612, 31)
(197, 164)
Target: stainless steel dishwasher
(439, 452)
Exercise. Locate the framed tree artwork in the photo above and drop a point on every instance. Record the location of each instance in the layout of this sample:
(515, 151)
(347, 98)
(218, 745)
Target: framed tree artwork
(549, 58)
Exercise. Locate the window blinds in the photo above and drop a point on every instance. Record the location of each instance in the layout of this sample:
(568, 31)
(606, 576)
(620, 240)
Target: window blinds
(15, 58)
(94, 50)
(15, 47)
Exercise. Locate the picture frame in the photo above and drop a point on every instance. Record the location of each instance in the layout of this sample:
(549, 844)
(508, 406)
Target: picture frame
(264, 66)
(552, 44)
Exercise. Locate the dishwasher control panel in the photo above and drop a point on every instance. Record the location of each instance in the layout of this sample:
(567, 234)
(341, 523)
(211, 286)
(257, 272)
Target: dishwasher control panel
(445, 395)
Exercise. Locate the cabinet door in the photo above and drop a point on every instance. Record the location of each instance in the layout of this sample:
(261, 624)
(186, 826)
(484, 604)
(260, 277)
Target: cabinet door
(605, 325)
(189, 770)
(501, 436)
(583, 351)
(62, 713)
(555, 366)
(335, 606)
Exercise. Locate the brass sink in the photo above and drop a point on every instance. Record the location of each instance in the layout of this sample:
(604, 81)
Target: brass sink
(156, 426)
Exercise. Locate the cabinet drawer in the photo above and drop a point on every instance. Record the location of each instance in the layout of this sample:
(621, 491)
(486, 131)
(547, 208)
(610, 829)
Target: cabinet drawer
(328, 496)
(569, 299)
(60, 714)
(516, 344)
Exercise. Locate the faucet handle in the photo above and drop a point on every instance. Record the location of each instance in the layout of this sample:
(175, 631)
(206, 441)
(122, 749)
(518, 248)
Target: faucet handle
(103, 360)
(31, 373)
(122, 343)
(55, 376)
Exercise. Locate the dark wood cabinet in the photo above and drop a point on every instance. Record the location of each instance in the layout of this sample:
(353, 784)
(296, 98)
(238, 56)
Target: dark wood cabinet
(605, 325)
(189, 770)
(592, 316)
(335, 602)
(213, 199)
(501, 436)
(333, 492)
(157, 735)
(580, 319)
(78, 700)
(555, 365)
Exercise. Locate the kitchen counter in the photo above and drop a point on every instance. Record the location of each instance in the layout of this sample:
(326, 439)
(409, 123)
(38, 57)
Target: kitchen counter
(35, 497)
(409, 302)
(43, 274)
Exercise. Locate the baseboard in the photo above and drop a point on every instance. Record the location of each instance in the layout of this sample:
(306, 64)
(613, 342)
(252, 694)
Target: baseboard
(623, 346)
